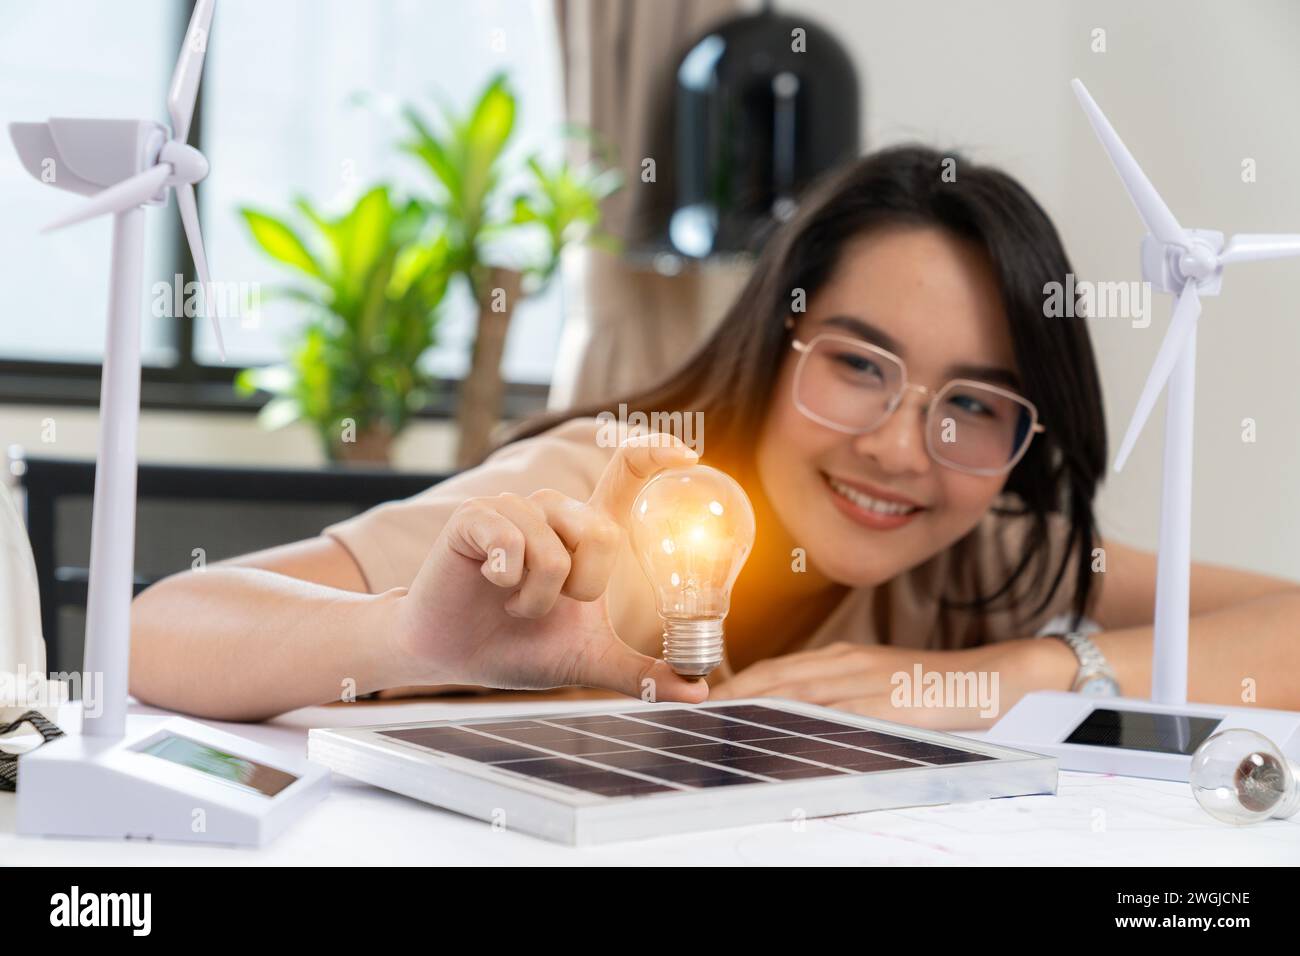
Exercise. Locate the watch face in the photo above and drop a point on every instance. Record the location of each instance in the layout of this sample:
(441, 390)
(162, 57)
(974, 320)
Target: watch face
(1099, 686)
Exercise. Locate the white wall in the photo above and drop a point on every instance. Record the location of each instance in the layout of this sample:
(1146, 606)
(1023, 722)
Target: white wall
(1194, 87)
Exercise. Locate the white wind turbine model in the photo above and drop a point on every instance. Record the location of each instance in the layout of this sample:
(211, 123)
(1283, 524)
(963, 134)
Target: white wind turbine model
(167, 778)
(1123, 735)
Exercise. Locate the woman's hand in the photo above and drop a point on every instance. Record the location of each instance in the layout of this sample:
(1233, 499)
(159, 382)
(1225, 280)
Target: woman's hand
(956, 690)
(512, 594)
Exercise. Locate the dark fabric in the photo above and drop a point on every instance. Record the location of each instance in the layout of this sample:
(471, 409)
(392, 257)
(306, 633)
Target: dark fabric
(8, 761)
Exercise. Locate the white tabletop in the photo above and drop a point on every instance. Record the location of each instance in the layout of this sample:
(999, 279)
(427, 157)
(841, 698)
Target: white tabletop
(1093, 819)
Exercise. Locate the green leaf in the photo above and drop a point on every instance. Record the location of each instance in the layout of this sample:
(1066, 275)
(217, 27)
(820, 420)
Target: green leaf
(435, 156)
(422, 265)
(490, 124)
(479, 143)
(366, 235)
(274, 379)
(278, 412)
(280, 242)
(524, 211)
(310, 297)
(245, 384)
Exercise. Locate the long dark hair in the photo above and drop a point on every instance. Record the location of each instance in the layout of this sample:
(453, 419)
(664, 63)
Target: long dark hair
(904, 185)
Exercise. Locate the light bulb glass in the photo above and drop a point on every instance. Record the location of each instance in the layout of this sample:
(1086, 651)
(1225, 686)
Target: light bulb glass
(1240, 776)
(692, 529)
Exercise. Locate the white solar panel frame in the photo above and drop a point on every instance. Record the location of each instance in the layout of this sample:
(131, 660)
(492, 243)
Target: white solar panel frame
(580, 818)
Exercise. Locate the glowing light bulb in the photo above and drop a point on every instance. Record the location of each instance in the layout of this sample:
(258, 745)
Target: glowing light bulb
(692, 529)
(1239, 776)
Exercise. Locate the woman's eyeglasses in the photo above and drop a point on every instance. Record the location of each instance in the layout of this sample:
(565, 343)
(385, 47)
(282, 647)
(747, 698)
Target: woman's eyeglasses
(853, 387)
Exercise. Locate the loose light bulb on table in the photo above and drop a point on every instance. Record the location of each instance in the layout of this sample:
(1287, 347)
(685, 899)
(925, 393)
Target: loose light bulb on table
(692, 529)
(1239, 776)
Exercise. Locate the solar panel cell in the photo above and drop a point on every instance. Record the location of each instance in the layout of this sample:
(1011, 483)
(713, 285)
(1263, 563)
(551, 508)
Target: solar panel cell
(611, 755)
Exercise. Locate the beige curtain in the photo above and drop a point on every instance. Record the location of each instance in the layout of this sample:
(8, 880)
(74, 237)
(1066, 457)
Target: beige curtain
(627, 322)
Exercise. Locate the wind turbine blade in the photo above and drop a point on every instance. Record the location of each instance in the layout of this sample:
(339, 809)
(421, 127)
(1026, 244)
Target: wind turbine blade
(189, 209)
(118, 197)
(1159, 220)
(1186, 311)
(184, 89)
(1247, 247)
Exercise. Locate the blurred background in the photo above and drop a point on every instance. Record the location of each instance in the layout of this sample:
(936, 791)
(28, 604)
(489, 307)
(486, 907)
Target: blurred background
(609, 167)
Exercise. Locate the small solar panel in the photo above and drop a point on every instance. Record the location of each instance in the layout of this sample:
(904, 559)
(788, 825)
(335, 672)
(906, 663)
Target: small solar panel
(646, 770)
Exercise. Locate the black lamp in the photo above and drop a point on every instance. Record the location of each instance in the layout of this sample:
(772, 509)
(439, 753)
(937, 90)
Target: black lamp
(764, 103)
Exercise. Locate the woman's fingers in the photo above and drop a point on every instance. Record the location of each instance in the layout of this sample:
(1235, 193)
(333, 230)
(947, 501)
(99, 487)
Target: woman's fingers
(826, 690)
(823, 665)
(483, 534)
(633, 464)
(592, 538)
(546, 561)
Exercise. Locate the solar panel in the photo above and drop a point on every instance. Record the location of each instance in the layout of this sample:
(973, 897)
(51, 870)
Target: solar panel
(646, 770)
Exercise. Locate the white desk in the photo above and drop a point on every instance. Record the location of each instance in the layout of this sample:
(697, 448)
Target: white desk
(1094, 819)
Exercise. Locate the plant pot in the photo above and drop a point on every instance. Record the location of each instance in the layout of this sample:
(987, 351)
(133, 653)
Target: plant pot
(373, 446)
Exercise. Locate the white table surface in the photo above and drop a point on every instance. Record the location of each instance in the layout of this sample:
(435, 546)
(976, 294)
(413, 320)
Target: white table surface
(1093, 820)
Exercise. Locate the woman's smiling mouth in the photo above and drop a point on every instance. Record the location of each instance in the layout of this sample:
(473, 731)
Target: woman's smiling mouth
(873, 511)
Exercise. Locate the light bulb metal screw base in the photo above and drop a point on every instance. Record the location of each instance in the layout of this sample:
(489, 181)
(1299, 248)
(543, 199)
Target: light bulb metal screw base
(692, 648)
(1289, 805)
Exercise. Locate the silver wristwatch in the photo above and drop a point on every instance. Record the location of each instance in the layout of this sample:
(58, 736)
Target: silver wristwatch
(1095, 677)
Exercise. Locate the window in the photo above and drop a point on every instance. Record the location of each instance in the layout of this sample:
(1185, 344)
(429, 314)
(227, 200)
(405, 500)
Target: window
(278, 118)
(55, 63)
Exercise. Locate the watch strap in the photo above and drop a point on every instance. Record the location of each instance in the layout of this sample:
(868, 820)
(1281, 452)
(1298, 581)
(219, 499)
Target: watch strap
(1092, 662)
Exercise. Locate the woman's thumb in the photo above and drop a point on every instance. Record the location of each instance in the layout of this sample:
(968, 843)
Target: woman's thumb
(622, 669)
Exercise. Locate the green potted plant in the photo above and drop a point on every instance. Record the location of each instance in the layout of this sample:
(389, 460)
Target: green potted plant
(558, 204)
(370, 280)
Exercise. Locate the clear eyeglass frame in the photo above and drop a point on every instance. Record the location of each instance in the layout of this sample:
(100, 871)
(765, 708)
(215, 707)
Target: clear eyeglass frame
(933, 398)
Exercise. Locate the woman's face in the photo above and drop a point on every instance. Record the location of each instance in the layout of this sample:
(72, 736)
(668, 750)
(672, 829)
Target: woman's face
(932, 300)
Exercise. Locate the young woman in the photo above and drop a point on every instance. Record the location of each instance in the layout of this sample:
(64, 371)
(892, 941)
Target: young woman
(921, 446)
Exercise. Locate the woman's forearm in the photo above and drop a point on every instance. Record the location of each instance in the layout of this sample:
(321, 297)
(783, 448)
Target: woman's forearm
(238, 643)
(1246, 653)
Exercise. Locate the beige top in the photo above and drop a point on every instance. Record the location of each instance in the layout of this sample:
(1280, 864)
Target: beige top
(391, 541)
